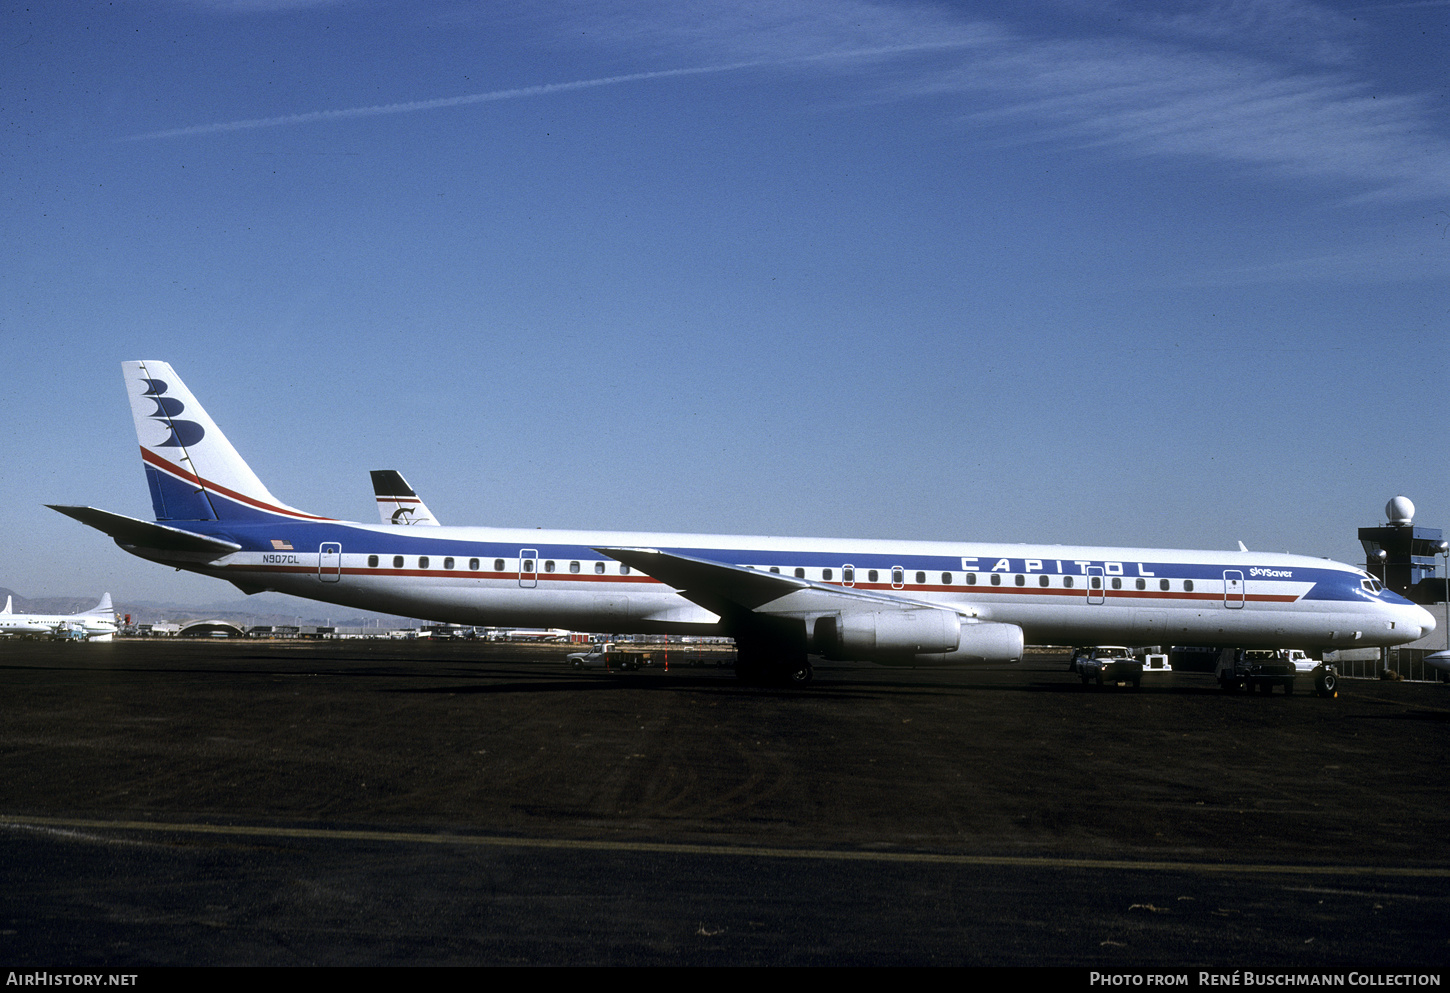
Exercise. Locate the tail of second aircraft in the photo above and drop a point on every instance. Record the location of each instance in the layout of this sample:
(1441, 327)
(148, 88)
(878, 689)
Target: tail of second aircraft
(194, 472)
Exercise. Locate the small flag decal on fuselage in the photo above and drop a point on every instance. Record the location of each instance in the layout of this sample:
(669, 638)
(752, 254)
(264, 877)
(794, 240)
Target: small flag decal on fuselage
(281, 545)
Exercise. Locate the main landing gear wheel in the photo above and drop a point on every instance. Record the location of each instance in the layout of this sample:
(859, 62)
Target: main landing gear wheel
(1326, 684)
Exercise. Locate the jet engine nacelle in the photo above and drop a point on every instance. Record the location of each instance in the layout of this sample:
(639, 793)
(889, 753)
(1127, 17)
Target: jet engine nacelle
(887, 635)
(982, 641)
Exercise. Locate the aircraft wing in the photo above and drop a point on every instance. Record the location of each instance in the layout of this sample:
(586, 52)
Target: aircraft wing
(145, 534)
(727, 589)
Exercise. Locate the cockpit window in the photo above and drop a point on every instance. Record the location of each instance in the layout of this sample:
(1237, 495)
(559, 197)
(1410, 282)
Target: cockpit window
(1372, 585)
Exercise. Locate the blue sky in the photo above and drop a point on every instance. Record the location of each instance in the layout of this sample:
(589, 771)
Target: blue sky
(1168, 274)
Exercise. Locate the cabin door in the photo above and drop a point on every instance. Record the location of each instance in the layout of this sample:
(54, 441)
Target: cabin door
(329, 562)
(528, 567)
(1233, 588)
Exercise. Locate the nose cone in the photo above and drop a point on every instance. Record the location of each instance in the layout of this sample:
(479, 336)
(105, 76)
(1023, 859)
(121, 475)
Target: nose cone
(1427, 622)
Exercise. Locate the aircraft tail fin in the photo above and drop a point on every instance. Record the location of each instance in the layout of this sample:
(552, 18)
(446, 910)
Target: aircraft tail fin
(104, 607)
(397, 503)
(194, 472)
(7, 606)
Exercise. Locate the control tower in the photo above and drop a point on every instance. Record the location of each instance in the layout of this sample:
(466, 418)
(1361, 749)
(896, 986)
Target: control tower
(1402, 555)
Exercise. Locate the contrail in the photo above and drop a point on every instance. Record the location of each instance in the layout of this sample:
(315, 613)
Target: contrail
(412, 105)
(516, 93)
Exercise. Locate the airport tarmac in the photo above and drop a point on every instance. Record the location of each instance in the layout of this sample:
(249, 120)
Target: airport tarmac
(371, 802)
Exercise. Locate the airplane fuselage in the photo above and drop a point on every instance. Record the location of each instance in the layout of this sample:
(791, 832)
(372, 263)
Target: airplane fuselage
(1057, 594)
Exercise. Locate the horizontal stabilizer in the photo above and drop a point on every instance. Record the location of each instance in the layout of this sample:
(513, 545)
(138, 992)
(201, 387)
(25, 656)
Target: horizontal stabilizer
(144, 534)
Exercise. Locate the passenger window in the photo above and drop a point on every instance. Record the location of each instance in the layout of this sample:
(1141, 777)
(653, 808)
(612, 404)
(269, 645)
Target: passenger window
(623, 569)
(921, 577)
(848, 575)
(1021, 580)
(372, 561)
(1117, 583)
(800, 573)
(422, 562)
(996, 579)
(1142, 584)
(946, 579)
(971, 579)
(548, 565)
(498, 565)
(473, 564)
(599, 568)
(573, 566)
(1096, 582)
(1042, 581)
(1188, 586)
(397, 561)
(448, 563)
(1067, 582)
(826, 574)
(871, 576)
(1163, 584)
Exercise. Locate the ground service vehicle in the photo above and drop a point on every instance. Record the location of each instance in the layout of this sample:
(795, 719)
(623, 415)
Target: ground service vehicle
(605, 655)
(1107, 664)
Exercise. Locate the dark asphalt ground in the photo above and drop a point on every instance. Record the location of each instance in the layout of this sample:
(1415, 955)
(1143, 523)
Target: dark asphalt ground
(404, 803)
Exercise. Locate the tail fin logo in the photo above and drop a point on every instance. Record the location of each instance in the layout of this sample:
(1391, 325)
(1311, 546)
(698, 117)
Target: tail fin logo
(183, 433)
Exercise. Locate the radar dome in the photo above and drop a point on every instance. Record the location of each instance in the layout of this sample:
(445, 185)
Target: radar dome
(1400, 510)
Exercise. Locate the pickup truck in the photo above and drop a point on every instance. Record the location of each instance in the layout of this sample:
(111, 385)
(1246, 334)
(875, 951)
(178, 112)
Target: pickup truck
(1107, 664)
(607, 656)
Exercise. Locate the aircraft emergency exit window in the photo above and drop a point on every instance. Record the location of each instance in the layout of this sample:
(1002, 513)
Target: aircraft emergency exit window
(946, 579)
(1067, 582)
(448, 563)
(1188, 586)
(898, 576)
(800, 573)
(599, 568)
(1163, 584)
(921, 577)
(498, 565)
(1021, 580)
(826, 574)
(848, 574)
(423, 562)
(397, 561)
(1042, 581)
(996, 579)
(871, 576)
(548, 565)
(573, 566)
(473, 564)
(372, 561)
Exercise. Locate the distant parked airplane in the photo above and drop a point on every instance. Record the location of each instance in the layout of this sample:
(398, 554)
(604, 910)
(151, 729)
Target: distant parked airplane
(781, 599)
(397, 503)
(96, 624)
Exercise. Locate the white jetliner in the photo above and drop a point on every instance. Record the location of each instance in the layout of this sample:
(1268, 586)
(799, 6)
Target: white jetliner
(781, 599)
(96, 624)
